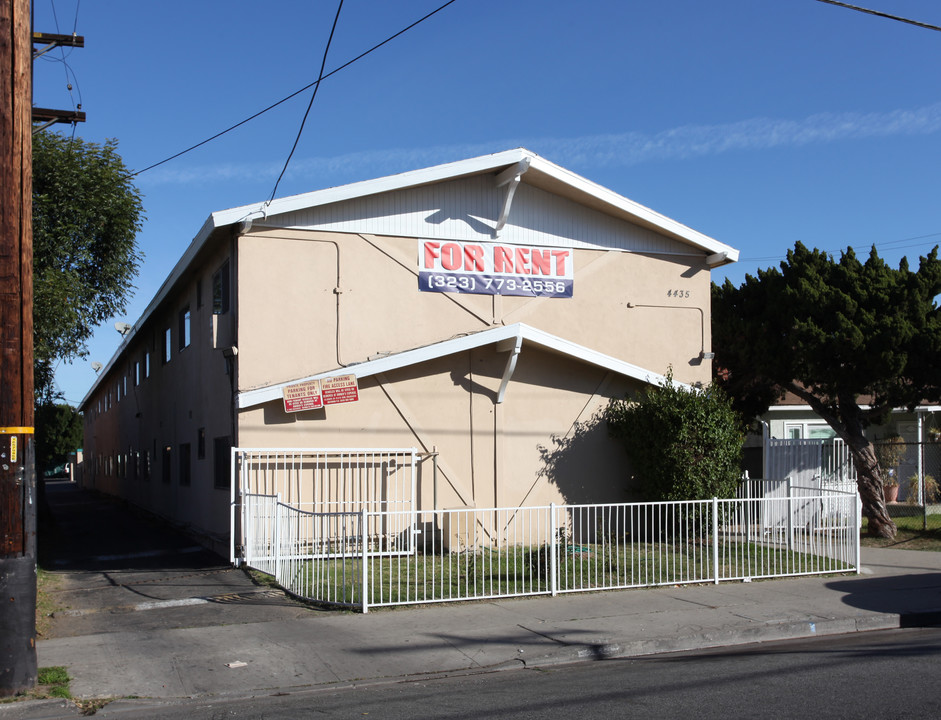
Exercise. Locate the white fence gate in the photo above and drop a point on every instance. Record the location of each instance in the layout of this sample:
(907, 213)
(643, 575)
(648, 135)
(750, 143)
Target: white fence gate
(332, 485)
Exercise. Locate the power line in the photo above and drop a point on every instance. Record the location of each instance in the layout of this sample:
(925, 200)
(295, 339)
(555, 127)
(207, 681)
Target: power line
(885, 245)
(927, 26)
(293, 94)
(300, 130)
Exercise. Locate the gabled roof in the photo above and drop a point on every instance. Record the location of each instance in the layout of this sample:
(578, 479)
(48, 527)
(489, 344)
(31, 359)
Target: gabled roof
(534, 170)
(512, 337)
(530, 169)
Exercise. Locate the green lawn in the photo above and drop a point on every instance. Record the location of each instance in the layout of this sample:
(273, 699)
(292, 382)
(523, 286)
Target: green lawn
(911, 534)
(525, 571)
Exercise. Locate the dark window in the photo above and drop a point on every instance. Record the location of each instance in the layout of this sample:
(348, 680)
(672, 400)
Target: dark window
(221, 456)
(165, 465)
(184, 328)
(145, 465)
(220, 290)
(201, 443)
(185, 464)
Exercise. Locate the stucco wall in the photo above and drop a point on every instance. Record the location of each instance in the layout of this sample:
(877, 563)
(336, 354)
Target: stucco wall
(296, 319)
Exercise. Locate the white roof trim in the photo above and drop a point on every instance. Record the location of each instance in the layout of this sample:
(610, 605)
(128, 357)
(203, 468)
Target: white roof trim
(518, 331)
(477, 166)
(439, 173)
(803, 407)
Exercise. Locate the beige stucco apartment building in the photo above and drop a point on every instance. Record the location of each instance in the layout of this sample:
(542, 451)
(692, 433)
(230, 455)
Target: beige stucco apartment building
(485, 310)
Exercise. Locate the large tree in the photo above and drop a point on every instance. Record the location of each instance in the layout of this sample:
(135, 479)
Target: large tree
(86, 215)
(853, 340)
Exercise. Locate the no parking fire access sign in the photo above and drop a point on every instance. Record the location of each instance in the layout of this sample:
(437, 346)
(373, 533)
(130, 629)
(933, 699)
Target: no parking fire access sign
(315, 394)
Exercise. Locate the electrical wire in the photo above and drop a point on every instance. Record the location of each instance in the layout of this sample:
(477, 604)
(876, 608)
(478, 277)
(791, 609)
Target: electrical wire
(895, 243)
(300, 130)
(878, 13)
(293, 94)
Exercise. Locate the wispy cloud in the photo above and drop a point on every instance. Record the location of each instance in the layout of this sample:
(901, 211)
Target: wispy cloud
(611, 150)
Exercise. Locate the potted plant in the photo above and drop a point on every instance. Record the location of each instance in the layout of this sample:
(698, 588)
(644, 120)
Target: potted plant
(890, 487)
(930, 486)
(889, 453)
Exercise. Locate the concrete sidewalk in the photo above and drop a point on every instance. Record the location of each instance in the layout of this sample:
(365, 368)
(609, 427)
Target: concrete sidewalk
(192, 627)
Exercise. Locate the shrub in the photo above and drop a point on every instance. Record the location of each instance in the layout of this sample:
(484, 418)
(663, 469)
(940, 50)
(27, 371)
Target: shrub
(684, 444)
(932, 492)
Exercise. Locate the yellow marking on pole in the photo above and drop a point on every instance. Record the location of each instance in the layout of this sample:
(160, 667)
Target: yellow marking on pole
(16, 430)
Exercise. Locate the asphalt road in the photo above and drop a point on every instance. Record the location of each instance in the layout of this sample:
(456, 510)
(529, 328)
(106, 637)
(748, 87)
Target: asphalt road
(890, 674)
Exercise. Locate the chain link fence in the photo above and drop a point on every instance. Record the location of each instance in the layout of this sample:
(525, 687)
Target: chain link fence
(911, 473)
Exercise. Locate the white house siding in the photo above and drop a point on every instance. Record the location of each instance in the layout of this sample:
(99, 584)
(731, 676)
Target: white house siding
(467, 210)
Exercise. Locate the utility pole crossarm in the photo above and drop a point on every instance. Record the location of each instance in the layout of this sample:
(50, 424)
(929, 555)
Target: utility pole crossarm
(53, 41)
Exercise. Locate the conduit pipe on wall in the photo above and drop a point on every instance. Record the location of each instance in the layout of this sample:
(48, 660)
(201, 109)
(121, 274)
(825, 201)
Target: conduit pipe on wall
(246, 225)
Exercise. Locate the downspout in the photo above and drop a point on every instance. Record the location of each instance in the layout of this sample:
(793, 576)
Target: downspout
(517, 344)
(511, 178)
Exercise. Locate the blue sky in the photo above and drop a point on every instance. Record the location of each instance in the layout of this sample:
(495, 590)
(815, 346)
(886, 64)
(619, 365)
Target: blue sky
(757, 122)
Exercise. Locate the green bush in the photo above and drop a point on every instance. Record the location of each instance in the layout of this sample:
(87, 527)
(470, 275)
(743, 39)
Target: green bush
(683, 444)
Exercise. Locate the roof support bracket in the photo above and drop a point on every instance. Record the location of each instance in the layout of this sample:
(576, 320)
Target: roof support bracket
(511, 178)
(514, 345)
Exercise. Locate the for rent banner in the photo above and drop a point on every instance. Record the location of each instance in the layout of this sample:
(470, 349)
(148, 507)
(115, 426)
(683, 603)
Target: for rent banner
(494, 269)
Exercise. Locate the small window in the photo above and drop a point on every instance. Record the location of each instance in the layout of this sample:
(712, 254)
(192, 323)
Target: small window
(184, 328)
(119, 391)
(201, 444)
(185, 464)
(222, 456)
(220, 290)
(167, 344)
(137, 372)
(165, 466)
(147, 364)
(145, 465)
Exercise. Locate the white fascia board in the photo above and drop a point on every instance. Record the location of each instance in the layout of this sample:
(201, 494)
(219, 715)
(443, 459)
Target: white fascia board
(529, 335)
(476, 166)
(807, 408)
(642, 213)
(412, 178)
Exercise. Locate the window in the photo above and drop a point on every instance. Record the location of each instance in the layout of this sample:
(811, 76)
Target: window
(222, 456)
(220, 290)
(119, 391)
(184, 328)
(201, 444)
(814, 430)
(185, 464)
(145, 465)
(167, 344)
(147, 364)
(137, 372)
(165, 466)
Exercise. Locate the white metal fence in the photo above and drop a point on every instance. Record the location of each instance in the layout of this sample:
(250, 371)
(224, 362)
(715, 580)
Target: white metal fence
(348, 558)
(329, 482)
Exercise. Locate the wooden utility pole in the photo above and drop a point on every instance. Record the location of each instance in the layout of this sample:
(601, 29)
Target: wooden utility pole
(17, 466)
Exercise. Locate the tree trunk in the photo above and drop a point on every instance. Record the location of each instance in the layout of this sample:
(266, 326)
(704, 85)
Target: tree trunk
(869, 483)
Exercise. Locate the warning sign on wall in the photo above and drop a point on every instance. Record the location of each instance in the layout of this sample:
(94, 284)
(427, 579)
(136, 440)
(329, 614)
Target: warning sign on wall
(303, 396)
(340, 389)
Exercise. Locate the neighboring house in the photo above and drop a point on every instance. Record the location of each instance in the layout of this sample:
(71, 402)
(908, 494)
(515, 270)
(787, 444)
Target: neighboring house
(486, 310)
(792, 419)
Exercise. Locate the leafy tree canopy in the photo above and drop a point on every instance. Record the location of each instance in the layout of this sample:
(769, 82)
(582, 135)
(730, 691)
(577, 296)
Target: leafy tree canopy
(59, 432)
(684, 444)
(852, 339)
(86, 215)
